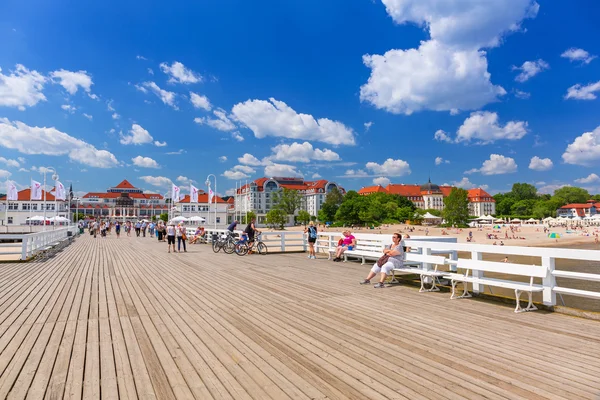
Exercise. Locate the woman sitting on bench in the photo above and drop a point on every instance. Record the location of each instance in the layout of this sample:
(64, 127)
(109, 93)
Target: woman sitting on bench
(347, 242)
(395, 259)
(198, 235)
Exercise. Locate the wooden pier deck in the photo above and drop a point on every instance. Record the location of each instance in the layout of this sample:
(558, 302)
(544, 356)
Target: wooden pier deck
(122, 319)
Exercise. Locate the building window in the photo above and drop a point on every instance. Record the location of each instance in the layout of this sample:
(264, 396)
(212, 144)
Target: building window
(10, 220)
(218, 220)
(13, 206)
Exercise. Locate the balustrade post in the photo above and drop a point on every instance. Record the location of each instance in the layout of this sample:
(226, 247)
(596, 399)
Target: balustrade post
(305, 242)
(282, 241)
(24, 247)
(477, 288)
(426, 251)
(549, 282)
(454, 257)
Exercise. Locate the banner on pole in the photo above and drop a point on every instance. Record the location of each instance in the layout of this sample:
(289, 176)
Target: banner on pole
(59, 191)
(175, 191)
(36, 190)
(193, 194)
(211, 194)
(11, 191)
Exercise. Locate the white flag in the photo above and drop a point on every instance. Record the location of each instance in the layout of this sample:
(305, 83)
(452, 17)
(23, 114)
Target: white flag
(36, 190)
(59, 191)
(175, 194)
(193, 194)
(11, 191)
(211, 194)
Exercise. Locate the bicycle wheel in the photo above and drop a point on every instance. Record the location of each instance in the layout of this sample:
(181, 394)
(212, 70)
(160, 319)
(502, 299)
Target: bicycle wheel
(261, 248)
(241, 249)
(216, 246)
(229, 247)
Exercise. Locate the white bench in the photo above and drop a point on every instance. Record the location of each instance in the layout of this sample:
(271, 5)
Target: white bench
(419, 260)
(365, 249)
(531, 271)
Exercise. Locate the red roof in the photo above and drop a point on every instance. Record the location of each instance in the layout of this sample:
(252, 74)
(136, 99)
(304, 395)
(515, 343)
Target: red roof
(480, 194)
(202, 198)
(404, 190)
(25, 195)
(125, 185)
(231, 200)
(576, 205)
(371, 189)
(102, 195)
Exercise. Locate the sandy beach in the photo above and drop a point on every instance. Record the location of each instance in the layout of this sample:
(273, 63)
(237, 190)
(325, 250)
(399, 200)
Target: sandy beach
(524, 235)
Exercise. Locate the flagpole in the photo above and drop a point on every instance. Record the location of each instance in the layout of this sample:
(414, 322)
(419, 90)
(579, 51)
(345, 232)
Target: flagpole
(30, 203)
(44, 189)
(6, 211)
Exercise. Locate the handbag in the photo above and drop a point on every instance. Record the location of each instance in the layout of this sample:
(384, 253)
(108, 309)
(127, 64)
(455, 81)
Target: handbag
(382, 260)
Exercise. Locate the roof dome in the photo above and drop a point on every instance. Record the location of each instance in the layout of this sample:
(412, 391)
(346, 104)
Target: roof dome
(430, 187)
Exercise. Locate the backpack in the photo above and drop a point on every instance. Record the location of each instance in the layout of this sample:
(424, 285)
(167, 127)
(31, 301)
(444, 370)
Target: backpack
(312, 232)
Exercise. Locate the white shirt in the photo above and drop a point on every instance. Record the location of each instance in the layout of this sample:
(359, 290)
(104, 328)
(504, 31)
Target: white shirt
(170, 230)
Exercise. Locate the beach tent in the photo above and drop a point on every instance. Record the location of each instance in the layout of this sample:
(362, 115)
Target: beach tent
(516, 220)
(489, 217)
(37, 218)
(497, 227)
(179, 219)
(554, 235)
(499, 220)
(196, 218)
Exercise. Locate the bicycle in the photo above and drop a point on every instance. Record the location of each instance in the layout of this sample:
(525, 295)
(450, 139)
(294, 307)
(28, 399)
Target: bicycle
(241, 246)
(220, 243)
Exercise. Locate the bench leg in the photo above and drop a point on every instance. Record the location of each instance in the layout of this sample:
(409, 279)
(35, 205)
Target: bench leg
(433, 287)
(465, 294)
(530, 305)
(393, 280)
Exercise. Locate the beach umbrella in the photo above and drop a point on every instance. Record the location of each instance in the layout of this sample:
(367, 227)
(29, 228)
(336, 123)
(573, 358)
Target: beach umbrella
(196, 218)
(554, 235)
(497, 227)
(179, 219)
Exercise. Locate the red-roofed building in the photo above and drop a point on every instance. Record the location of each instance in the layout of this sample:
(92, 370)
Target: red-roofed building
(578, 210)
(257, 196)
(22, 208)
(431, 196)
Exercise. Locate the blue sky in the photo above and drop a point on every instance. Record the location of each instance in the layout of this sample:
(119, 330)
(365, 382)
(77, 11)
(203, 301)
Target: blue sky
(354, 91)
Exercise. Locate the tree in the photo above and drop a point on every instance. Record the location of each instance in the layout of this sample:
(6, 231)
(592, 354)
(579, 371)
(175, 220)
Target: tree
(596, 197)
(523, 191)
(523, 207)
(287, 201)
(332, 202)
(504, 206)
(276, 218)
(404, 213)
(303, 217)
(569, 194)
(164, 217)
(250, 215)
(545, 208)
(456, 207)
(78, 216)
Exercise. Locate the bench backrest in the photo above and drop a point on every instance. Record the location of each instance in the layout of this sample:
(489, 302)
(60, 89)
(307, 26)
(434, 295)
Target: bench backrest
(503, 268)
(423, 258)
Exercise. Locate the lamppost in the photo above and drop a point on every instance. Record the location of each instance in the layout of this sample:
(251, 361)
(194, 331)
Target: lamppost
(76, 208)
(215, 195)
(54, 178)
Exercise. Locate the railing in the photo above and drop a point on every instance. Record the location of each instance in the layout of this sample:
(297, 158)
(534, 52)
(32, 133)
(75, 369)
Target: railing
(31, 243)
(276, 241)
(547, 256)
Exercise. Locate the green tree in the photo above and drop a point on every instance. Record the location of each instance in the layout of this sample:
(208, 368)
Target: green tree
(523, 191)
(545, 208)
(303, 217)
(456, 207)
(596, 197)
(250, 215)
(276, 218)
(287, 201)
(78, 216)
(523, 207)
(348, 211)
(569, 194)
(504, 206)
(164, 217)
(332, 202)
(404, 213)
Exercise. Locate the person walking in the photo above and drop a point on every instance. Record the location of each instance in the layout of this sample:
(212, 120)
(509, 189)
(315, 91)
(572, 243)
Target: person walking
(151, 229)
(311, 231)
(159, 231)
(118, 229)
(143, 227)
(181, 237)
(138, 227)
(171, 237)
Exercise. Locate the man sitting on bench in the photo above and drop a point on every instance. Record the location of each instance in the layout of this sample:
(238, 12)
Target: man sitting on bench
(395, 259)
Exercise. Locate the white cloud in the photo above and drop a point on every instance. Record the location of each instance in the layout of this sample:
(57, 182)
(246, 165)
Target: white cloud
(585, 149)
(249, 159)
(116, 116)
(145, 162)
(464, 183)
(10, 163)
(141, 57)
(88, 116)
(449, 71)
(442, 136)
(180, 151)
(4, 174)
(483, 127)
(432, 77)
(230, 174)
(301, 152)
(540, 164)
(358, 173)
(222, 122)
(200, 101)
(50, 141)
(550, 189)
(245, 169)
(496, 165)
(382, 181)
(137, 135)
(440, 160)
(465, 23)
(22, 88)
(316, 176)
(274, 169)
(519, 94)
(23, 170)
(164, 95)
(185, 180)
(160, 144)
(574, 54)
(68, 108)
(529, 69)
(275, 118)
(109, 105)
(159, 181)
(72, 81)
(178, 73)
(368, 126)
(150, 71)
(579, 92)
(390, 167)
(237, 136)
(223, 158)
(591, 178)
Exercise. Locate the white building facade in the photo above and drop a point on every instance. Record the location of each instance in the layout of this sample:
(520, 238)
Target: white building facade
(24, 207)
